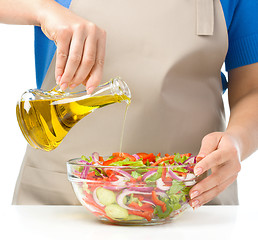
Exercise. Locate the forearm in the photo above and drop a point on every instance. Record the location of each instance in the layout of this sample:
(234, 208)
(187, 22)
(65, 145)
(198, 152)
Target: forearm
(23, 11)
(243, 123)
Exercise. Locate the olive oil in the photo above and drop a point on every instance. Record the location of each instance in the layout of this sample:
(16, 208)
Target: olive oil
(45, 122)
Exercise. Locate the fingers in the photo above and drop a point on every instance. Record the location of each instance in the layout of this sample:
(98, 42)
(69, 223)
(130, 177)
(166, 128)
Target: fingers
(62, 52)
(221, 155)
(80, 56)
(218, 177)
(215, 158)
(97, 71)
(224, 150)
(200, 198)
(88, 61)
(74, 58)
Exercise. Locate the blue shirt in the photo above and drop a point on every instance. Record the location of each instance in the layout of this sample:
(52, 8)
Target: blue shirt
(242, 24)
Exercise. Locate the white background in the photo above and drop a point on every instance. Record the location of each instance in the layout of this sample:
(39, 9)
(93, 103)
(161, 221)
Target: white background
(17, 74)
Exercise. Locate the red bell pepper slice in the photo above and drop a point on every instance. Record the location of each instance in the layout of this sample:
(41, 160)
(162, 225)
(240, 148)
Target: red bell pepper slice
(147, 215)
(150, 157)
(163, 160)
(182, 174)
(145, 206)
(186, 154)
(164, 173)
(124, 155)
(142, 154)
(139, 196)
(158, 202)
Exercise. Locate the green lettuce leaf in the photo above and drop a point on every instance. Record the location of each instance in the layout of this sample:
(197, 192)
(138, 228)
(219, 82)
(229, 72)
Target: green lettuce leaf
(175, 188)
(180, 169)
(135, 174)
(155, 176)
(127, 161)
(180, 159)
(84, 158)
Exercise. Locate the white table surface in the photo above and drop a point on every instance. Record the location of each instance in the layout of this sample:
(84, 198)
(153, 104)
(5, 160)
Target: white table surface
(74, 222)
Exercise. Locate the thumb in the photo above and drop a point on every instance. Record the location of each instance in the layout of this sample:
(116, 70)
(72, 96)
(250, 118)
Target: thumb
(209, 144)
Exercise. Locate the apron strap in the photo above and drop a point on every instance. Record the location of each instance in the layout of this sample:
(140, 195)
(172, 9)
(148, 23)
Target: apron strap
(204, 17)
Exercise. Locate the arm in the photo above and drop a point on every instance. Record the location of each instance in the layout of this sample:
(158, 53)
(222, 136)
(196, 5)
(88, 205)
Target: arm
(80, 44)
(243, 101)
(20, 11)
(223, 152)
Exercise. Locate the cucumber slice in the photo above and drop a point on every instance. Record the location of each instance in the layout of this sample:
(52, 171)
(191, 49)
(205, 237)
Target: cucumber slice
(105, 196)
(116, 212)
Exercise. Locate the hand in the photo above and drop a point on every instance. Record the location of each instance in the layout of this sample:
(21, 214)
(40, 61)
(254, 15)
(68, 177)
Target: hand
(220, 153)
(80, 47)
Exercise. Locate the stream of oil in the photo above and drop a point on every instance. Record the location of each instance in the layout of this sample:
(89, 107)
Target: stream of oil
(123, 128)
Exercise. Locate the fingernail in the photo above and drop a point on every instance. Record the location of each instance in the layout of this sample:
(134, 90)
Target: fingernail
(58, 79)
(198, 171)
(195, 204)
(72, 86)
(194, 194)
(195, 208)
(64, 86)
(90, 90)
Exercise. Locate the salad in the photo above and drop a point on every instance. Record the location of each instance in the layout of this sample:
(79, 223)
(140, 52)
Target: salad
(133, 188)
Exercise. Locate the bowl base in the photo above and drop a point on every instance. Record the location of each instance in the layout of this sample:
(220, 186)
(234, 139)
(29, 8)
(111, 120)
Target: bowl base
(136, 223)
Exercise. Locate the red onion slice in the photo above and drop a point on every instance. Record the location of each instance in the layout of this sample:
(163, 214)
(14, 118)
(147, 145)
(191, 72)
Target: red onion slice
(161, 185)
(188, 169)
(141, 189)
(124, 173)
(190, 160)
(117, 185)
(120, 182)
(136, 156)
(114, 188)
(150, 202)
(148, 174)
(82, 161)
(95, 158)
(120, 198)
(190, 177)
(85, 172)
(173, 175)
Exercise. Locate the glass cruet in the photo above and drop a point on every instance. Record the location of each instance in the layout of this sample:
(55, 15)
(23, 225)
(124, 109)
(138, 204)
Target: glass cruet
(45, 117)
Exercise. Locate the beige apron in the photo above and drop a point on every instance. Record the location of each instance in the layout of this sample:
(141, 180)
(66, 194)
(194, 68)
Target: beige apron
(170, 53)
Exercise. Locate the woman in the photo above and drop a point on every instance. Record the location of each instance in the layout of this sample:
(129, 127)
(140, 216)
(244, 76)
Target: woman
(170, 53)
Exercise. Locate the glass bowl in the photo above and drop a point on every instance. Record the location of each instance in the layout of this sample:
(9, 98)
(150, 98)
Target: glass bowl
(130, 195)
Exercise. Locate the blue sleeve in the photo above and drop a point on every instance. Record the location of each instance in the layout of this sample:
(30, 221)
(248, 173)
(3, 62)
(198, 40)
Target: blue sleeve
(44, 50)
(242, 22)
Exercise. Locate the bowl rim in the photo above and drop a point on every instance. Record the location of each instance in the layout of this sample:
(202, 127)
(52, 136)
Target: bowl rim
(73, 162)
